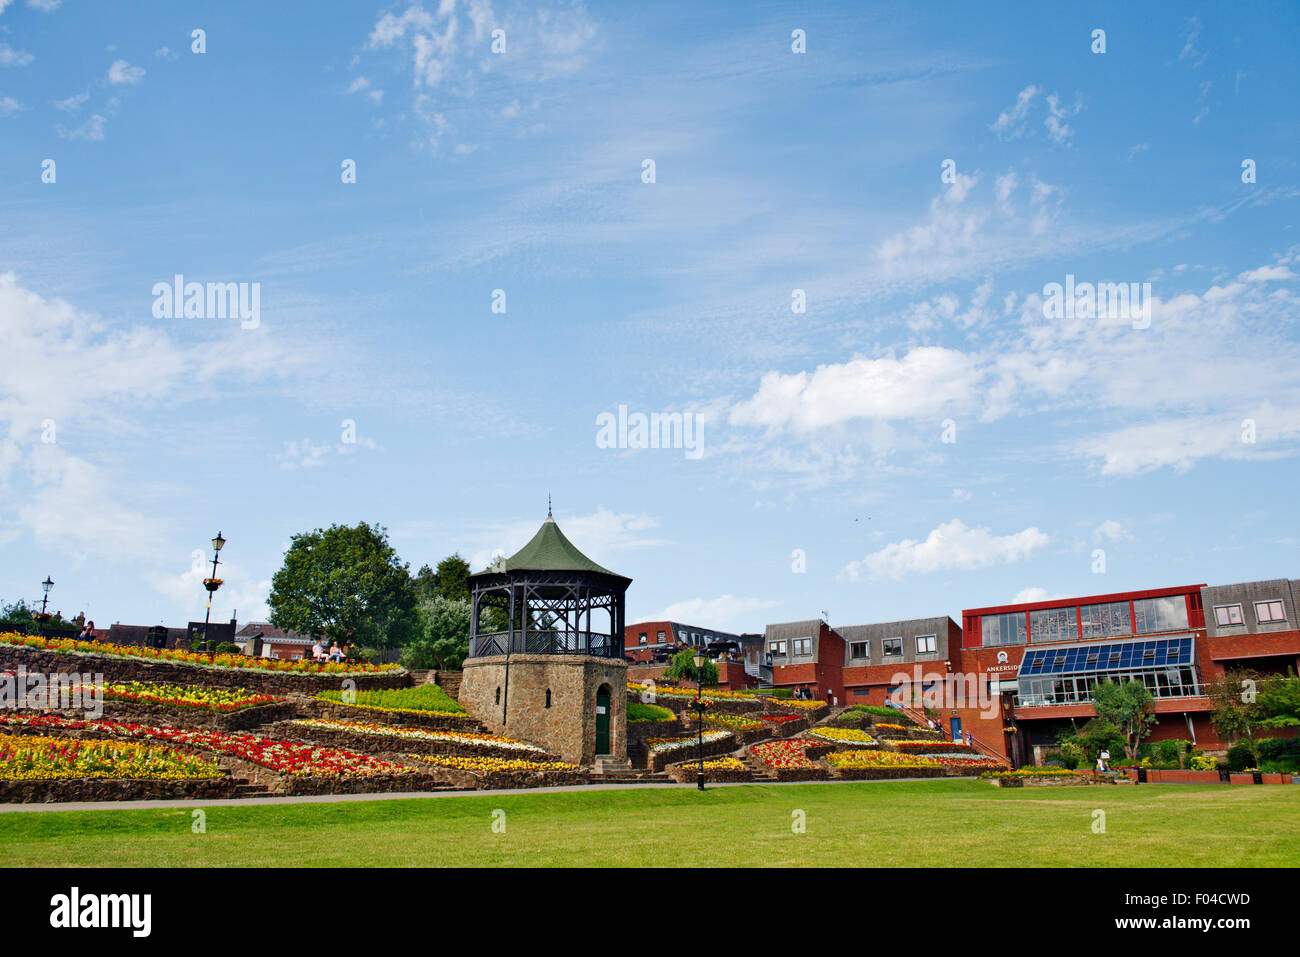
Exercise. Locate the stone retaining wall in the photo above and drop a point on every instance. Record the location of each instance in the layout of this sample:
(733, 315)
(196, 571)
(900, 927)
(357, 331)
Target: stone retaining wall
(178, 716)
(318, 708)
(105, 789)
(375, 743)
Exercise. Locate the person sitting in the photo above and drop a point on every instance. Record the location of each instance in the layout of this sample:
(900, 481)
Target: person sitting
(336, 653)
(318, 651)
(87, 631)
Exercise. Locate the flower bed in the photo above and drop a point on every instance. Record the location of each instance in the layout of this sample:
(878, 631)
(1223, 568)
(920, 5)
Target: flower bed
(492, 772)
(746, 729)
(718, 769)
(402, 717)
(283, 757)
(242, 662)
(221, 700)
(661, 751)
(39, 758)
(1006, 778)
(789, 760)
(214, 671)
(912, 746)
(847, 735)
(361, 736)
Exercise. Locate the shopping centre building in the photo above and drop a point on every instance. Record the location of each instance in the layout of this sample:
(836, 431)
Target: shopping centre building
(1012, 677)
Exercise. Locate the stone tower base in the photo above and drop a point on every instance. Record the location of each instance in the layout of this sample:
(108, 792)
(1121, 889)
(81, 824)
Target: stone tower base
(513, 701)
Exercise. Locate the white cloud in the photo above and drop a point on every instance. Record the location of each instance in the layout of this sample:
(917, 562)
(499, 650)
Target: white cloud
(1110, 531)
(951, 545)
(45, 6)
(1010, 122)
(11, 57)
(91, 130)
(1027, 595)
(922, 383)
(240, 591)
(106, 375)
(1267, 273)
(9, 106)
(731, 613)
(1058, 131)
(123, 72)
(73, 103)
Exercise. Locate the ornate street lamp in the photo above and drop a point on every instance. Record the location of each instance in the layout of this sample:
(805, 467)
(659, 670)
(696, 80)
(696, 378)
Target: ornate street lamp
(47, 585)
(700, 707)
(211, 584)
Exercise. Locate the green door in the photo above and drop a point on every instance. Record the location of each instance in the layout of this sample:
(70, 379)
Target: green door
(602, 720)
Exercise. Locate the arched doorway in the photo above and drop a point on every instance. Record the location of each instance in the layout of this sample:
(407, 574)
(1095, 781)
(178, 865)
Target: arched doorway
(602, 720)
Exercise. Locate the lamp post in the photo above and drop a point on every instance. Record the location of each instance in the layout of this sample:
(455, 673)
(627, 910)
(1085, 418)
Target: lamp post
(47, 585)
(212, 584)
(699, 660)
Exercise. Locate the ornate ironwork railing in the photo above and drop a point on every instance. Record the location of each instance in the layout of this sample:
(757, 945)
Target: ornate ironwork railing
(546, 643)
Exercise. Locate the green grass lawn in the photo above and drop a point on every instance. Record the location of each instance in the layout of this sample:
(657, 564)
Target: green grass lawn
(904, 823)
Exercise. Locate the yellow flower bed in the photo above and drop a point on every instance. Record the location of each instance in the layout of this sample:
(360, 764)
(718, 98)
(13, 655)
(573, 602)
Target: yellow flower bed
(843, 734)
(415, 734)
(795, 703)
(188, 696)
(492, 765)
(879, 759)
(896, 727)
(27, 758)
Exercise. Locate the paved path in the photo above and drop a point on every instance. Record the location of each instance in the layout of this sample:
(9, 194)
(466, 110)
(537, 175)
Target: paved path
(406, 795)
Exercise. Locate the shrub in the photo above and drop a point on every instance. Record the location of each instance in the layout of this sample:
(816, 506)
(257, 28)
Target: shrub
(1240, 757)
(228, 648)
(1202, 762)
(1170, 753)
(1284, 752)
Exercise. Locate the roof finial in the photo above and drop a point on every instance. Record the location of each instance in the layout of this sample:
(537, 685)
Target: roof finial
(548, 505)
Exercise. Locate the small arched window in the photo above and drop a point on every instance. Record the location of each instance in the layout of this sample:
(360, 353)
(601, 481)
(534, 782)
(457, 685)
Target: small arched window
(498, 701)
(548, 697)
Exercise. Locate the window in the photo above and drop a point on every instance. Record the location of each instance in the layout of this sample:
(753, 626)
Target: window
(776, 647)
(860, 649)
(1160, 614)
(1054, 624)
(548, 697)
(803, 646)
(1225, 615)
(1108, 618)
(891, 647)
(925, 644)
(659, 637)
(1267, 611)
(641, 638)
(1004, 629)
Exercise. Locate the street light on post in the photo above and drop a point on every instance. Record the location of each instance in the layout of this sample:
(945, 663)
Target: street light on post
(47, 585)
(699, 660)
(212, 584)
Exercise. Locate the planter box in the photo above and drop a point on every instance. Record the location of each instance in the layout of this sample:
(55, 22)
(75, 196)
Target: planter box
(687, 773)
(882, 774)
(316, 708)
(1276, 778)
(1241, 778)
(1156, 776)
(378, 743)
(658, 762)
(179, 716)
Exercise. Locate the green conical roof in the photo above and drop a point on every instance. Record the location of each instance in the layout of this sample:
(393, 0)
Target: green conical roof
(550, 550)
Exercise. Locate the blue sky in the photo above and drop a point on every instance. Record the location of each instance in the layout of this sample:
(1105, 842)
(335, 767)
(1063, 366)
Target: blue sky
(823, 432)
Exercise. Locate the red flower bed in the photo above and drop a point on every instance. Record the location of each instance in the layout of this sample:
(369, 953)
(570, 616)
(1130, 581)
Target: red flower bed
(779, 718)
(283, 757)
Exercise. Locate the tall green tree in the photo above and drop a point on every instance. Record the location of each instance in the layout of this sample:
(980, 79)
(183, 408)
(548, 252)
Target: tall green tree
(346, 583)
(1279, 701)
(444, 639)
(1127, 706)
(450, 580)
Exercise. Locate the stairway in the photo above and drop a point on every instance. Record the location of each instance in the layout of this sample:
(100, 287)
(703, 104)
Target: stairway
(246, 789)
(616, 771)
(757, 768)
